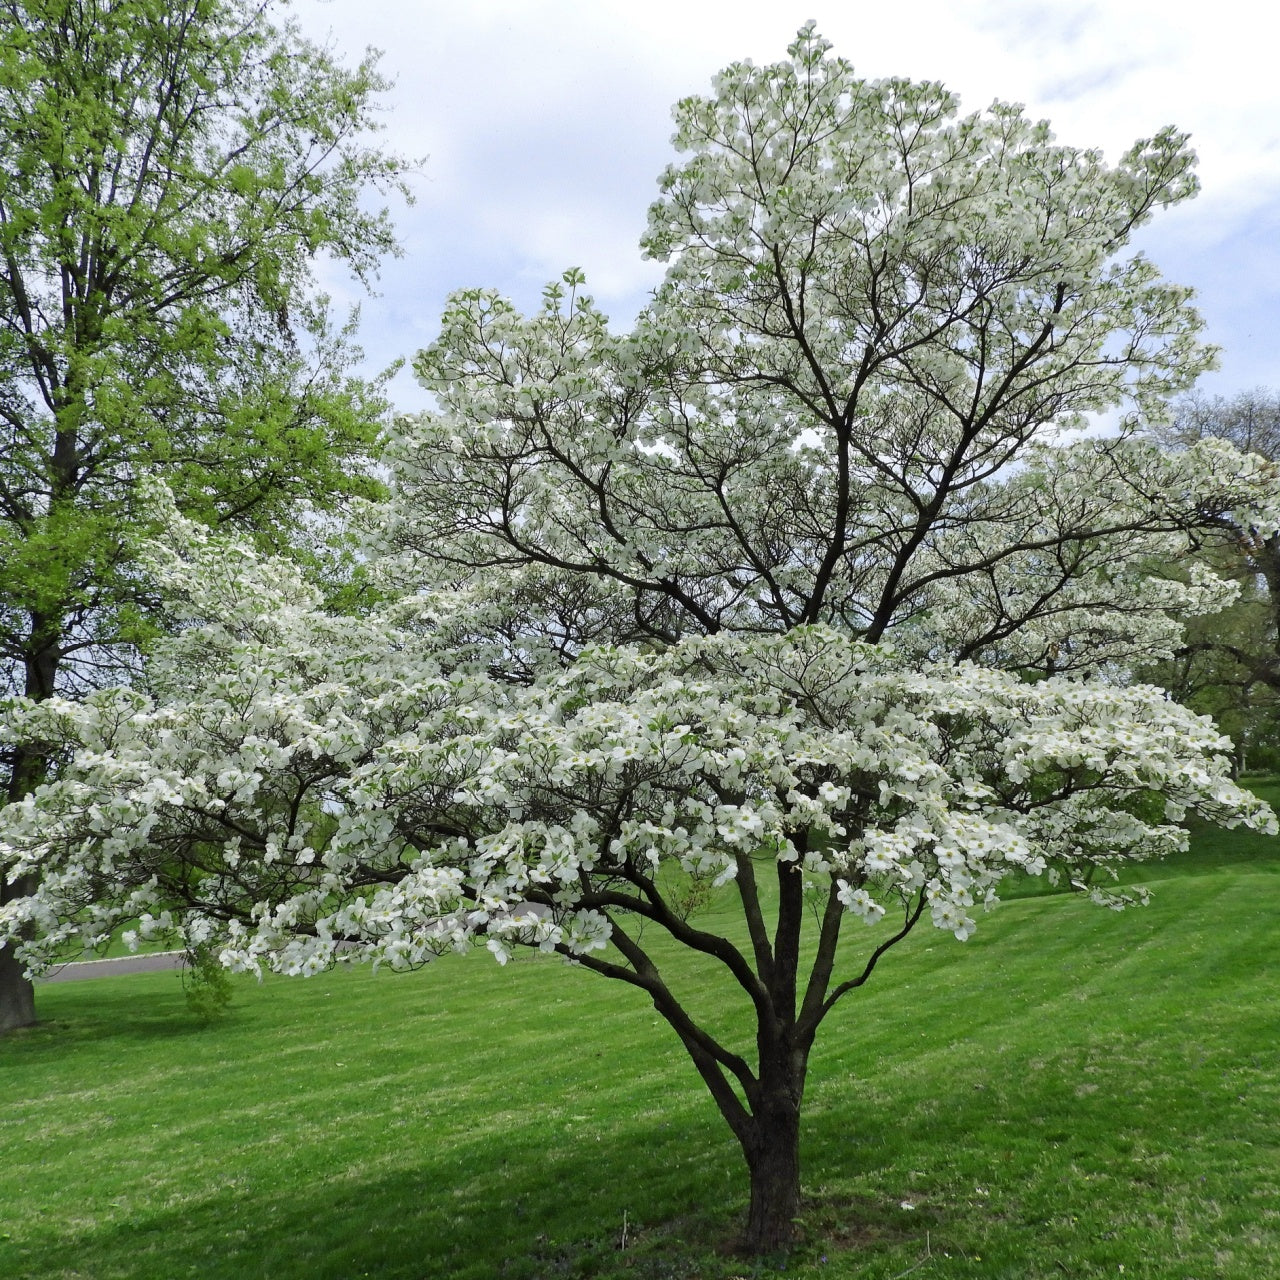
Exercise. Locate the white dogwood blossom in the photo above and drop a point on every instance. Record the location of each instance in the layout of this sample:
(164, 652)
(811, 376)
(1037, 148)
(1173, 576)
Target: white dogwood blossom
(310, 787)
(805, 596)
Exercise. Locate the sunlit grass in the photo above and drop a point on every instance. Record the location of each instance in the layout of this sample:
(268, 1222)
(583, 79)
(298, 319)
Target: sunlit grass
(1069, 1093)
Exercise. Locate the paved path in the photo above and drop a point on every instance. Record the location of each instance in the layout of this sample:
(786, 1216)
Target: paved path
(115, 967)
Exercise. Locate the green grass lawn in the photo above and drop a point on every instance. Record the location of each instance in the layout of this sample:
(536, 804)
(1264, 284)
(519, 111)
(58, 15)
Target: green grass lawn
(1071, 1093)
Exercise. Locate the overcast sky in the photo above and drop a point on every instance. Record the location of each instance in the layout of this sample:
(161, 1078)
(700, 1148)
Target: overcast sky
(545, 123)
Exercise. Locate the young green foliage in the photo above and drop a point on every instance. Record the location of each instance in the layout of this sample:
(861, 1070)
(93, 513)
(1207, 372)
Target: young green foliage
(169, 175)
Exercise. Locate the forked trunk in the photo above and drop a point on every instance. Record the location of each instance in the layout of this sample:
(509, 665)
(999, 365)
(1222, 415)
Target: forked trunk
(773, 1158)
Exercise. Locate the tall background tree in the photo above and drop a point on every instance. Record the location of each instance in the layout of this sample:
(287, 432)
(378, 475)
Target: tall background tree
(1229, 662)
(170, 173)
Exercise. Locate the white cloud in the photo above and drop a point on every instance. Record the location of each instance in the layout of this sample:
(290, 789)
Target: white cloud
(547, 121)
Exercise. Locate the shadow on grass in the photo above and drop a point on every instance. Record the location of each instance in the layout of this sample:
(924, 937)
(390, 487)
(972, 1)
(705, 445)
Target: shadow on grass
(528, 1220)
(114, 1018)
(419, 1224)
(992, 1162)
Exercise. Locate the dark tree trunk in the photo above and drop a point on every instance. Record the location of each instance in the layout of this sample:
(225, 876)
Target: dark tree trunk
(17, 992)
(761, 1107)
(771, 1141)
(17, 995)
(773, 1158)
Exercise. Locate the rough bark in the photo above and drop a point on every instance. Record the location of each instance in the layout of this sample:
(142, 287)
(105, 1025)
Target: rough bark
(17, 995)
(773, 1160)
(17, 992)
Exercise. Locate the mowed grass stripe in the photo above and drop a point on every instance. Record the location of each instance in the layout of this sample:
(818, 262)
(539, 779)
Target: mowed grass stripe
(1068, 1093)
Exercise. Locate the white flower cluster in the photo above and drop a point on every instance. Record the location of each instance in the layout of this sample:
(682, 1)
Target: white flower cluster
(330, 789)
(632, 583)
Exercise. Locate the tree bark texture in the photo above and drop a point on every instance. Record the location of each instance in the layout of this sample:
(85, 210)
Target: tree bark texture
(773, 1160)
(17, 994)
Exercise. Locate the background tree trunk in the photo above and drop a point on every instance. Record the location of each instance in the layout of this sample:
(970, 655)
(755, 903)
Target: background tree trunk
(17, 994)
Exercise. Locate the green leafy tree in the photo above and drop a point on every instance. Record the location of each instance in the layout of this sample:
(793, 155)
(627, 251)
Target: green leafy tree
(171, 171)
(1229, 664)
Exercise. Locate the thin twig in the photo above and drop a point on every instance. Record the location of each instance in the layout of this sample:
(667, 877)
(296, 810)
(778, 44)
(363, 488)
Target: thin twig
(928, 1257)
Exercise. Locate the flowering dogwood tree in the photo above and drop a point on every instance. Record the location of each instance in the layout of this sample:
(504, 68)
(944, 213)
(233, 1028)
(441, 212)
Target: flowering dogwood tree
(790, 597)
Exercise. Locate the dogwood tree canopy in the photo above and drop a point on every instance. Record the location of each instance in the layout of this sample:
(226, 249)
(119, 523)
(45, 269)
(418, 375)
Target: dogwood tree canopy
(793, 595)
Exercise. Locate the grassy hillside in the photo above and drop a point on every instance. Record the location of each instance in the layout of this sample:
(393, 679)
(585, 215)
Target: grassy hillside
(1071, 1093)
